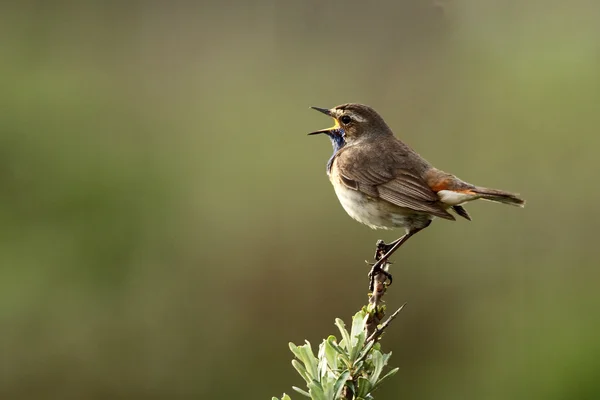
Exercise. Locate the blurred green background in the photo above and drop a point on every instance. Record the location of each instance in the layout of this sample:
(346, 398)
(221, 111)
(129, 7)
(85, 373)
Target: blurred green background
(167, 227)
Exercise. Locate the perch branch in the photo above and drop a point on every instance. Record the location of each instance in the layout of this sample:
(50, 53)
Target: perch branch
(380, 285)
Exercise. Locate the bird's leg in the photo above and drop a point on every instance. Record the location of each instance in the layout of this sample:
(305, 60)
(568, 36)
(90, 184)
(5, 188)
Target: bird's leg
(384, 252)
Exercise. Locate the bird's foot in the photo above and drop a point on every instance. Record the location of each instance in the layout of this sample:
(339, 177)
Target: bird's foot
(380, 262)
(383, 248)
(378, 268)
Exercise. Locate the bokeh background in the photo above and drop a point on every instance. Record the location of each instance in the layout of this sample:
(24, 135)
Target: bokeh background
(167, 226)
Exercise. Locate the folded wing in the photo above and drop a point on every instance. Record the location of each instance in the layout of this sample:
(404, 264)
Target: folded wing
(385, 180)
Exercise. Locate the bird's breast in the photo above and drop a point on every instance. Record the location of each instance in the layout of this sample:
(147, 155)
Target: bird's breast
(373, 212)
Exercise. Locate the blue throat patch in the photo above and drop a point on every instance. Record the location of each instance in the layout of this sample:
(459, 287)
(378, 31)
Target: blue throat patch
(338, 141)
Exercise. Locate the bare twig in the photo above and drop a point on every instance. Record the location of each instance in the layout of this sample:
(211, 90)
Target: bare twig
(380, 285)
(379, 331)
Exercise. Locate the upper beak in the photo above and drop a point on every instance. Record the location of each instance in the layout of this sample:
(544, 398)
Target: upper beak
(325, 111)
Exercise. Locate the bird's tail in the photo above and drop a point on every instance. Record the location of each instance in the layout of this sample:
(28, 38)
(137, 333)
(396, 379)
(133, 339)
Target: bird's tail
(499, 196)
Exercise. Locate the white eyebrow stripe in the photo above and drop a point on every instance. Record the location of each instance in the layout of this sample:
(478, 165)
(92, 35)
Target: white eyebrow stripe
(355, 117)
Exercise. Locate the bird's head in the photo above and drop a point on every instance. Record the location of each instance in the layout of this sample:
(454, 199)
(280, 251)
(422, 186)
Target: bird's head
(352, 123)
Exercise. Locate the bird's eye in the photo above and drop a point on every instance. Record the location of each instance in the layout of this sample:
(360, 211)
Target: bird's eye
(346, 119)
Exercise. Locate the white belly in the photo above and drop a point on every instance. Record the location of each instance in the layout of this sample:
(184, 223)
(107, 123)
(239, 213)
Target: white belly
(375, 213)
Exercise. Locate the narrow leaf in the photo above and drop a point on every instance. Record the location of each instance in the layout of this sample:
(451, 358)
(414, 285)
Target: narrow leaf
(333, 342)
(359, 320)
(310, 361)
(328, 385)
(386, 357)
(365, 352)
(294, 349)
(386, 376)
(378, 364)
(302, 392)
(343, 354)
(358, 367)
(364, 387)
(357, 334)
(331, 355)
(301, 370)
(357, 345)
(345, 343)
(350, 385)
(316, 391)
(339, 384)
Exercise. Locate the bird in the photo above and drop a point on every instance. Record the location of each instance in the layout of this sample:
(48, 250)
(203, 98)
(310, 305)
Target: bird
(383, 183)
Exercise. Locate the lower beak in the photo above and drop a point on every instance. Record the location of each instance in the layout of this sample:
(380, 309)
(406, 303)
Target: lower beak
(321, 131)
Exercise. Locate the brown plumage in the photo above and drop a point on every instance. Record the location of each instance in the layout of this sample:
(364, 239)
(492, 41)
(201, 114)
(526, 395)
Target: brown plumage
(383, 183)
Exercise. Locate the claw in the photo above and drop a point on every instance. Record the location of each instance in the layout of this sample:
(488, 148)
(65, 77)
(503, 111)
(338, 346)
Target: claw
(384, 252)
(373, 273)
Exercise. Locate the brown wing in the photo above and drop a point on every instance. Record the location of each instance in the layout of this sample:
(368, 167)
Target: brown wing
(386, 180)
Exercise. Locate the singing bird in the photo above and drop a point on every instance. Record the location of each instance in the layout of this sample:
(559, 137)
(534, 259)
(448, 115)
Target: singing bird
(383, 183)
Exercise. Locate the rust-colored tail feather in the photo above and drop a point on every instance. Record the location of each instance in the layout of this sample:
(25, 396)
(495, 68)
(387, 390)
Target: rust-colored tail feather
(500, 196)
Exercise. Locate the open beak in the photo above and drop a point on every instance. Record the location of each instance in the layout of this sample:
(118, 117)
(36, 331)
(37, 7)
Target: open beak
(328, 130)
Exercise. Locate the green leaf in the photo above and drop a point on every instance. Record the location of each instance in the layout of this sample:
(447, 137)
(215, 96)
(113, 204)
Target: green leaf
(386, 376)
(357, 345)
(339, 384)
(386, 357)
(328, 361)
(294, 349)
(345, 343)
(302, 392)
(316, 391)
(358, 367)
(286, 397)
(301, 370)
(350, 385)
(308, 358)
(378, 364)
(332, 340)
(343, 354)
(357, 334)
(365, 351)
(364, 387)
(305, 354)
(331, 353)
(328, 385)
(358, 323)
